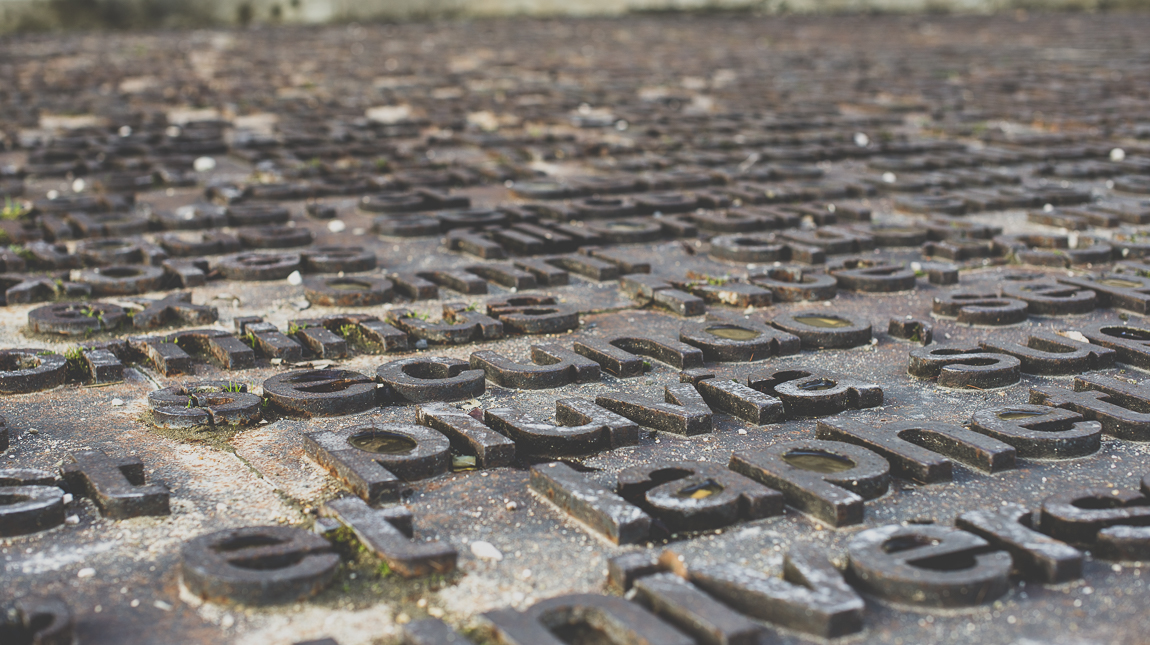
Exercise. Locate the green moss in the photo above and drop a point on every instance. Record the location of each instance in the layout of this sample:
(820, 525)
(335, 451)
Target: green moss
(352, 551)
(346, 543)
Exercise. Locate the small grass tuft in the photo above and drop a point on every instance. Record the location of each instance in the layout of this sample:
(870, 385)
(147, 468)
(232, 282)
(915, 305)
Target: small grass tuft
(12, 210)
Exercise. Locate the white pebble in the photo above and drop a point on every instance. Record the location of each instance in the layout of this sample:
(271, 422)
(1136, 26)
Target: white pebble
(53, 194)
(86, 572)
(486, 551)
(889, 177)
(72, 520)
(861, 140)
(117, 402)
(227, 621)
(204, 164)
(79, 185)
(1117, 154)
(1076, 335)
(742, 431)
(160, 604)
(511, 506)
(295, 279)
(67, 499)
(336, 226)
(125, 131)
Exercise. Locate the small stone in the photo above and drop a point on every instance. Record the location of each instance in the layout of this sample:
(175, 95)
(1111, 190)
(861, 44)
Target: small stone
(135, 603)
(435, 612)
(295, 279)
(72, 520)
(117, 402)
(1076, 335)
(1117, 154)
(86, 572)
(511, 506)
(486, 551)
(421, 343)
(204, 164)
(336, 226)
(742, 431)
(161, 605)
(33, 431)
(67, 499)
